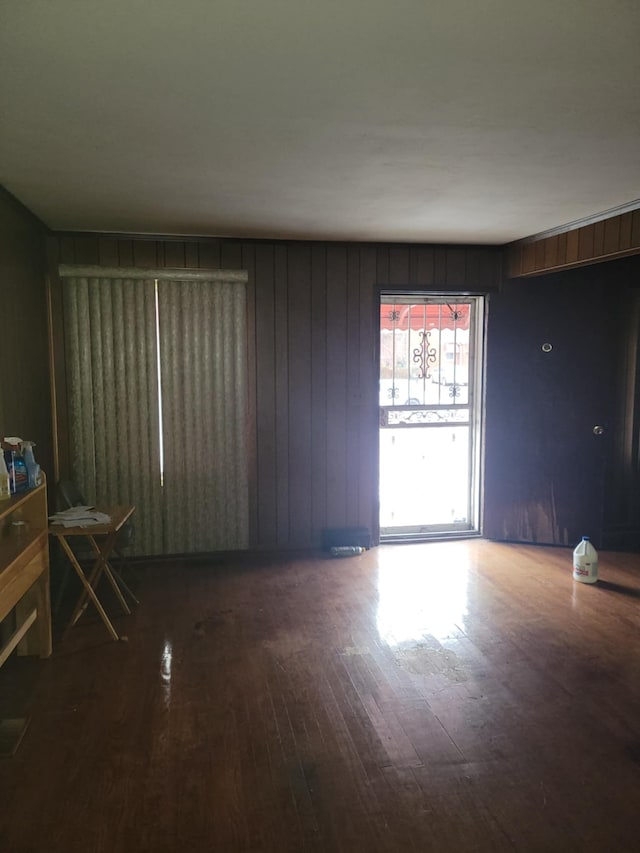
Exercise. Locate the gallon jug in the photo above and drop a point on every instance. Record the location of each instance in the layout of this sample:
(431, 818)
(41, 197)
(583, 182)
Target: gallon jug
(585, 562)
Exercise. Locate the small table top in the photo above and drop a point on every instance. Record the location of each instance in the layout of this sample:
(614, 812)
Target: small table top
(117, 514)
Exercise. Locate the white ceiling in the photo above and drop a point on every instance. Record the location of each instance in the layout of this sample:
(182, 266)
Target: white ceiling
(399, 120)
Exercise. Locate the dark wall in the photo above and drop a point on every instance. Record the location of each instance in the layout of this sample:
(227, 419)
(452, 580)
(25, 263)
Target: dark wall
(313, 344)
(25, 403)
(548, 477)
(313, 430)
(622, 483)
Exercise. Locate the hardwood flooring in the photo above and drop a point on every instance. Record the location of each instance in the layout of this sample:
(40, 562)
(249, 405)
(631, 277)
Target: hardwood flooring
(461, 696)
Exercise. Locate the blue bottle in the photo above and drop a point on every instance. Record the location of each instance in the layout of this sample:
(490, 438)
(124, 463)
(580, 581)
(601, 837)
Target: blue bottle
(34, 474)
(18, 478)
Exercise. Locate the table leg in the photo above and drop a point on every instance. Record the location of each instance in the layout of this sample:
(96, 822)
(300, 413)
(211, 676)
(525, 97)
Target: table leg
(103, 563)
(88, 588)
(123, 585)
(81, 605)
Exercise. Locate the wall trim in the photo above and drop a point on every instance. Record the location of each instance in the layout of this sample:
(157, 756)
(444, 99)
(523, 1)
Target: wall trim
(606, 239)
(578, 223)
(165, 274)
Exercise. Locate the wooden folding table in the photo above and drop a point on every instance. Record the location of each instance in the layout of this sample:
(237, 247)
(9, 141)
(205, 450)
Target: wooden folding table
(102, 538)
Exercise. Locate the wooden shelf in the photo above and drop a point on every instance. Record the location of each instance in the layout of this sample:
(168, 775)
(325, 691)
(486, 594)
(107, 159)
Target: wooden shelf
(25, 611)
(29, 506)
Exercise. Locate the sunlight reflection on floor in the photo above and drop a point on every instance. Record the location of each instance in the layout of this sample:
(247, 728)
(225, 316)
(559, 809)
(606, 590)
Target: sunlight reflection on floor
(422, 591)
(166, 659)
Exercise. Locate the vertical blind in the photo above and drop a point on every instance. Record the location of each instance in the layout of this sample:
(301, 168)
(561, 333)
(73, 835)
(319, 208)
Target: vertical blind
(156, 383)
(203, 369)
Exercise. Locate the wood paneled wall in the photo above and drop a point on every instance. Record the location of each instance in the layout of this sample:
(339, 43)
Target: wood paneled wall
(620, 282)
(25, 407)
(603, 240)
(313, 349)
(540, 410)
(622, 495)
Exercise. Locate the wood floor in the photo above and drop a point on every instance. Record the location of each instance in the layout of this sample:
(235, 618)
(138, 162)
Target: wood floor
(462, 696)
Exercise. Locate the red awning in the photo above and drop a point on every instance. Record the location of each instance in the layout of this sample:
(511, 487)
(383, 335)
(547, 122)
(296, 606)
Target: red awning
(421, 316)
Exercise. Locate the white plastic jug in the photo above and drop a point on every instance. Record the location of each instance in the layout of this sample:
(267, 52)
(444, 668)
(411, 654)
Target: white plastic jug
(585, 562)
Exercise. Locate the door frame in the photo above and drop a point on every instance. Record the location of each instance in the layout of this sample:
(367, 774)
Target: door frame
(476, 416)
